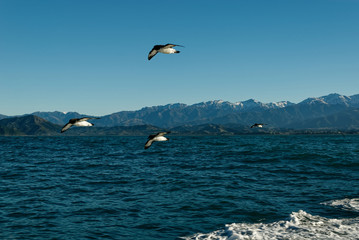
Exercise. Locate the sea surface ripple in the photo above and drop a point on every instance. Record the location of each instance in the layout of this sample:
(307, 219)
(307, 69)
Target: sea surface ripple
(189, 187)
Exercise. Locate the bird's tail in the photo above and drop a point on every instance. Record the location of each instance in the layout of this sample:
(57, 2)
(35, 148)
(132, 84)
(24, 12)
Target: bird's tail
(177, 51)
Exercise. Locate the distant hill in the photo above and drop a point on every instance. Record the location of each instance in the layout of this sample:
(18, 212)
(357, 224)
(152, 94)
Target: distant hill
(333, 111)
(31, 125)
(297, 116)
(344, 120)
(178, 114)
(27, 125)
(169, 115)
(57, 117)
(3, 116)
(278, 115)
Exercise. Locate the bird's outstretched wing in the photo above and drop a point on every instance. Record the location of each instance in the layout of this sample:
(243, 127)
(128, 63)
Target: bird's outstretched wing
(148, 143)
(170, 45)
(67, 126)
(152, 53)
(87, 118)
(162, 133)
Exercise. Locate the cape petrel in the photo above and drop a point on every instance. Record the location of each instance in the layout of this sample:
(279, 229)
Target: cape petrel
(80, 122)
(159, 137)
(260, 125)
(167, 49)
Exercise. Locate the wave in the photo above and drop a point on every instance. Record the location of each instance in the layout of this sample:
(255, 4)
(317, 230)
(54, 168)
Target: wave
(301, 225)
(345, 204)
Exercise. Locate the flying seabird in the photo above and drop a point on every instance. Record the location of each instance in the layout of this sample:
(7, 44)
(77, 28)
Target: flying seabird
(168, 49)
(80, 122)
(260, 125)
(156, 138)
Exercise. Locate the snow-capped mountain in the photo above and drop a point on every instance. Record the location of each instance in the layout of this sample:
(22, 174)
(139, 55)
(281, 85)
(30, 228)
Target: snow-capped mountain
(334, 99)
(243, 106)
(178, 114)
(242, 112)
(254, 104)
(354, 100)
(277, 114)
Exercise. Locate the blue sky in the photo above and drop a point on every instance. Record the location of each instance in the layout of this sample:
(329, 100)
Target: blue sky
(90, 56)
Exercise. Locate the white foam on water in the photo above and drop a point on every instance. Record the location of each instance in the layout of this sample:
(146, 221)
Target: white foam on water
(301, 225)
(346, 204)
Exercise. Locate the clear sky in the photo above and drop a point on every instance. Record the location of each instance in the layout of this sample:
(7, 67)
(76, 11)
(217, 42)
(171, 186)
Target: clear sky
(90, 56)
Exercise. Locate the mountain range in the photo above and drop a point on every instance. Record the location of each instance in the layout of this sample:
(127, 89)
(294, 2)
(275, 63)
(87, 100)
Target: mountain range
(333, 111)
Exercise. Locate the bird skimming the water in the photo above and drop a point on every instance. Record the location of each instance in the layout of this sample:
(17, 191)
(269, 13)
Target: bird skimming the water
(260, 125)
(168, 49)
(159, 137)
(80, 122)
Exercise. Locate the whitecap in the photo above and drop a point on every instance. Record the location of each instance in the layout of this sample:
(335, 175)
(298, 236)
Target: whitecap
(301, 225)
(346, 204)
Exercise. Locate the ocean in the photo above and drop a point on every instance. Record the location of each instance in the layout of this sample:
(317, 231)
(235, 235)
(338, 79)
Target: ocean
(208, 187)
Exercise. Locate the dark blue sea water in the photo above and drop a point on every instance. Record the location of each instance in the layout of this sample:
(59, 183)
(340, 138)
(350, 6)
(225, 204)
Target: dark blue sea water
(188, 187)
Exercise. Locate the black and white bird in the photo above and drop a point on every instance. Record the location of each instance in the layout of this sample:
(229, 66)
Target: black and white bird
(167, 49)
(80, 122)
(260, 125)
(159, 137)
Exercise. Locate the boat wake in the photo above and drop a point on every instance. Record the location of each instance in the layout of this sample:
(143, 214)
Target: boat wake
(301, 225)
